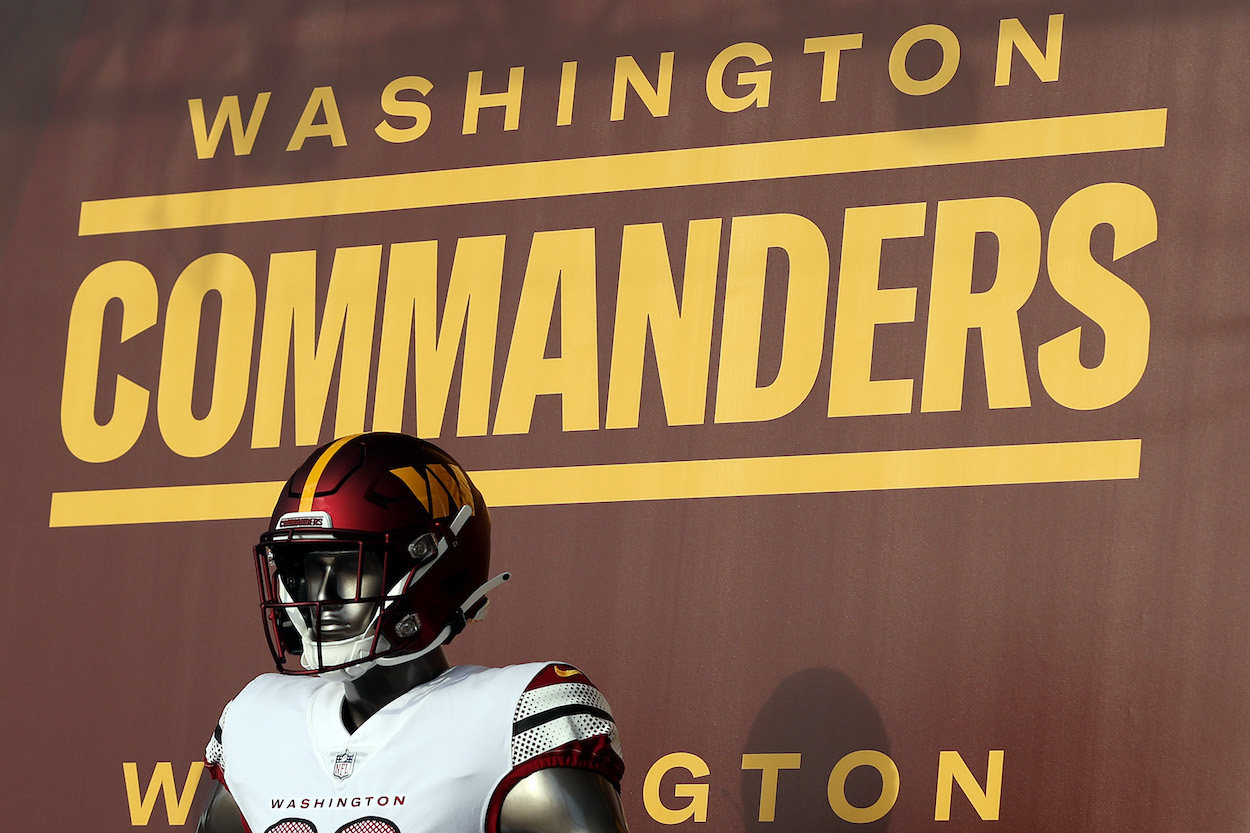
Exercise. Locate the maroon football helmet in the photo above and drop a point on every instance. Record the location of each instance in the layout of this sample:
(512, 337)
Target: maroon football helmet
(378, 551)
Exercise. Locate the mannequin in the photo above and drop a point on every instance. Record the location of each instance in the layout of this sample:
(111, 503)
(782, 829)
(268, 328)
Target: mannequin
(558, 800)
(366, 605)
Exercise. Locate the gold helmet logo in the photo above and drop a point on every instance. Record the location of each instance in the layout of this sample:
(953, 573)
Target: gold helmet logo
(443, 490)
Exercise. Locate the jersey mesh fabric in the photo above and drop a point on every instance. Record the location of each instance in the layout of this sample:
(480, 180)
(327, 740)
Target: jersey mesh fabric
(560, 723)
(291, 826)
(215, 753)
(369, 825)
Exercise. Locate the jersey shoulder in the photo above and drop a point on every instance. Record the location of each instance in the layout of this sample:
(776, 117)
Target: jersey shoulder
(563, 718)
(560, 719)
(257, 701)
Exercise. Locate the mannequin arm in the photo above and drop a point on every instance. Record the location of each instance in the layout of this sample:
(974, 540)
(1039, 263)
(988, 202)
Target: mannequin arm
(562, 800)
(221, 814)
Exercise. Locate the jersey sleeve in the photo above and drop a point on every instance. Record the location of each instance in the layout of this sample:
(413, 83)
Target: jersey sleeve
(563, 720)
(560, 720)
(215, 753)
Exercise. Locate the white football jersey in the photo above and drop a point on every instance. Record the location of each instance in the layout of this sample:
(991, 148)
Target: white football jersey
(438, 759)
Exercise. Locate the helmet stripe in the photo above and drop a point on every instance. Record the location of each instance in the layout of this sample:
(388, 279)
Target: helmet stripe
(310, 485)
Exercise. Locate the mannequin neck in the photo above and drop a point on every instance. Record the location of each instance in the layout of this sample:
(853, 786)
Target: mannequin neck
(364, 696)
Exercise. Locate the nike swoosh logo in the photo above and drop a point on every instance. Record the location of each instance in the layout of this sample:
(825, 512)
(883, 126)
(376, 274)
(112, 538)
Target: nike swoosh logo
(565, 672)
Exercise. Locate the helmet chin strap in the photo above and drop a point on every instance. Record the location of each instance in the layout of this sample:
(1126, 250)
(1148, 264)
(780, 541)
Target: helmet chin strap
(446, 633)
(357, 647)
(330, 653)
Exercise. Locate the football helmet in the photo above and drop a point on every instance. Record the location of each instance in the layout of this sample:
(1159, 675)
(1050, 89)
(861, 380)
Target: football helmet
(378, 552)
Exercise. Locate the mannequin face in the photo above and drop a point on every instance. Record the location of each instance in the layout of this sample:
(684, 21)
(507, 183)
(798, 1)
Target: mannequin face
(335, 578)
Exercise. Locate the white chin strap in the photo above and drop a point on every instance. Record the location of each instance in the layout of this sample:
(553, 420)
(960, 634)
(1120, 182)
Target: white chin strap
(331, 653)
(446, 633)
(355, 648)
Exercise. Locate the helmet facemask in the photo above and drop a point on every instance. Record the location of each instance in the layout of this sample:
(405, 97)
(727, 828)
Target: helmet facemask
(343, 601)
(378, 552)
(321, 598)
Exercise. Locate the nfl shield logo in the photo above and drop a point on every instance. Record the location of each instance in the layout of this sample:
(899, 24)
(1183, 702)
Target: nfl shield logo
(343, 763)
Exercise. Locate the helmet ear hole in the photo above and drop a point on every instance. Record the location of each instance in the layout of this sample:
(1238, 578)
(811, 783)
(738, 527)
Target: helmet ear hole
(457, 583)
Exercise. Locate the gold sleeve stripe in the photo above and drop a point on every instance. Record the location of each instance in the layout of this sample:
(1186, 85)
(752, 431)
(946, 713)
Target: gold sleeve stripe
(319, 467)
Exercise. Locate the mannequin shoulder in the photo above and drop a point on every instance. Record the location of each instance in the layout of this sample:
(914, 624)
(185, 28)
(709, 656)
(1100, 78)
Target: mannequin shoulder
(562, 800)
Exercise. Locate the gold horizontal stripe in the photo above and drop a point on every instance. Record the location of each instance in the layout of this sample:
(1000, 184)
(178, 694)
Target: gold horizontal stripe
(814, 473)
(922, 147)
(925, 468)
(164, 504)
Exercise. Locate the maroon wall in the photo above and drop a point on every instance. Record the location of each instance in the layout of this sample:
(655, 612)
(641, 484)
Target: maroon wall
(1065, 586)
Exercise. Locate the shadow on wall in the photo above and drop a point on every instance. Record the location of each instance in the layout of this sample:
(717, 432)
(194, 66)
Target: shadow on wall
(821, 715)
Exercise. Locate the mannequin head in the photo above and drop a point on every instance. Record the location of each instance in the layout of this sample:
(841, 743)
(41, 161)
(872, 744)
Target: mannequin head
(376, 554)
(333, 578)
